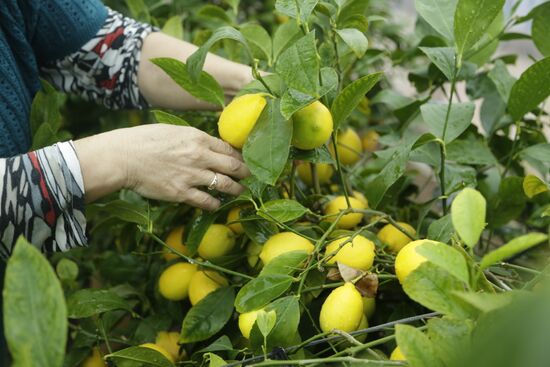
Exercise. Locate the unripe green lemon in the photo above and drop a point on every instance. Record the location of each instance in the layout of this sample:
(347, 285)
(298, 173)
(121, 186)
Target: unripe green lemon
(369, 306)
(312, 126)
(159, 349)
(397, 355)
(394, 238)
(282, 243)
(239, 117)
(350, 147)
(324, 173)
(408, 259)
(348, 220)
(342, 310)
(233, 218)
(175, 279)
(218, 241)
(175, 240)
(253, 251)
(246, 322)
(358, 254)
(203, 283)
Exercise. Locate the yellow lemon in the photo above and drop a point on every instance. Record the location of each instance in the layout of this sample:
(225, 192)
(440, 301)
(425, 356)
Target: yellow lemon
(159, 349)
(324, 173)
(203, 283)
(239, 117)
(369, 306)
(408, 259)
(175, 279)
(342, 310)
(175, 240)
(394, 238)
(397, 355)
(233, 220)
(312, 126)
(370, 141)
(246, 322)
(253, 251)
(284, 242)
(218, 241)
(348, 220)
(349, 147)
(358, 253)
(362, 198)
(94, 360)
(168, 340)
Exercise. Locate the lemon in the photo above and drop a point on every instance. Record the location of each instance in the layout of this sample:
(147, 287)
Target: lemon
(324, 173)
(364, 107)
(358, 253)
(342, 310)
(362, 325)
(159, 349)
(349, 147)
(362, 198)
(203, 283)
(239, 117)
(370, 141)
(233, 220)
(175, 240)
(348, 220)
(312, 126)
(218, 241)
(284, 242)
(369, 306)
(408, 259)
(174, 281)
(394, 238)
(246, 322)
(397, 355)
(168, 340)
(94, 360)
(253, 251)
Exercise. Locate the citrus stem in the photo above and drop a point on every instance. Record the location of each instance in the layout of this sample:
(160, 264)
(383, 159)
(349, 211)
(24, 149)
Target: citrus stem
(315, 178)
(104, 333)
(339, 169)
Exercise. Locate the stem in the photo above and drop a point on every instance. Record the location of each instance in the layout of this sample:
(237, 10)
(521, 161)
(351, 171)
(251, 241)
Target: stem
(520, 268)
(512, 151)
(104, 333)
(339, 169)
(305, 362)
(315, 178)
(442, 151)
(256, 74)
(292, 193)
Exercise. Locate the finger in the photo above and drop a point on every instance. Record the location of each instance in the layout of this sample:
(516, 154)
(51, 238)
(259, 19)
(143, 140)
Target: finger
(220, 146)
(201, 199)
(227, 165)
(225, 184)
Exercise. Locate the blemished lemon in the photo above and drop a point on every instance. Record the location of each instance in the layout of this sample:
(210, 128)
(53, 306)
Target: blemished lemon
(348, 220)
(370, 141)
(159, 349)
(349, 147)
(175, 279)
(408, 259)
(168, 340)
(94, 360)
(203, 283)
(239, 117)
(253, 251)
(394, 238)
(358, 253)
(397, 355)
(312, 125)
(175, 240)
(342, 310)
(233, 218)
(284, 242)
(324, 173)
(218, 241)
(369, 306)
(246, 322)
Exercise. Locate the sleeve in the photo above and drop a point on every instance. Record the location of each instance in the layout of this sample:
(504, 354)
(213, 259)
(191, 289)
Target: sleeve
(105, 69)
(42, 198)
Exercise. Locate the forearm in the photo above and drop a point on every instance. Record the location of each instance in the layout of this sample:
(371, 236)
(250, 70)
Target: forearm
(160, 91)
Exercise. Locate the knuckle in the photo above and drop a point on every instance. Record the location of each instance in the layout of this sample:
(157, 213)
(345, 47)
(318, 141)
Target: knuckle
(235, 165)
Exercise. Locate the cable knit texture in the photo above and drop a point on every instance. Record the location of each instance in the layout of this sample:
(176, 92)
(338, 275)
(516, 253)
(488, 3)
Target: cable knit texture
(34, 33)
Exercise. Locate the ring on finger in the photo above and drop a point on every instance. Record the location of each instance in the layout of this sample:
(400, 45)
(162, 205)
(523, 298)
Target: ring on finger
(214, 183)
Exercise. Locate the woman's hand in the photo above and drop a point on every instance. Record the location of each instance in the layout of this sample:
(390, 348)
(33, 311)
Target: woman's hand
(163, 162)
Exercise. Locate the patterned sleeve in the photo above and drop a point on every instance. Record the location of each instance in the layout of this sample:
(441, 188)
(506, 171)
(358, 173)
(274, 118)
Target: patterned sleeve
(105, 69)
(42, 198)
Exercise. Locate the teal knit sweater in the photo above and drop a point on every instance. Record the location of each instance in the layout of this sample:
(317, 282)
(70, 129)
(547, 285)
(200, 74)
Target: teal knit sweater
(32, 33)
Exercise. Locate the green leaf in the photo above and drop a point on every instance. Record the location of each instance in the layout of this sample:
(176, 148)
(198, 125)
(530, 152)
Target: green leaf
(215, 361)
(441, 230)
(417, 348)
(259, 41)
(460, 118)
(44, 136)
(287, 310)
(318, 155)
(196, 230)
(126, 211)
(532, 186)
(471, 21)
(139, 10)
(288, 7)
(468, 212)
(268, 145)
(260, 291)
(89, 302)
(443, 58)
(282, 210)
(285, 36)
(298, 66)
(509, 203)
(351, 9)
(209, 316)
(167, 118)
(485, 302)
(502, 79)
(259, 230)
(355, 39)
(45, 109)
(214, 13)
(138, 357)
(174, 27)
(285, 264)
(446, 258)
(512, 248)
(532, 88)
(541, 28)
(539, 152)
(452, 338)
(471, 152)
(266, 321)
(206, 88)
(439, 14)
(351, 96)
(35, 315)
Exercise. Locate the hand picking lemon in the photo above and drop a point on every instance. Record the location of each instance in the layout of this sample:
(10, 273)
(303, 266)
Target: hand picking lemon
(324, 173)
(203, 283)
(159, 349)
(370, 141)
(394, 238)
(369, 306)
(397, 355)
(94, 360)
(358, 254)
(239, 117)
(284, 242)
(408, 259)
(218, 241)
(312, 126)
(174, 281)
(233, 218)
(349, 147)
(168, 340)
(348, 220)
(342, 310)
(246, 322)
(175, 240)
